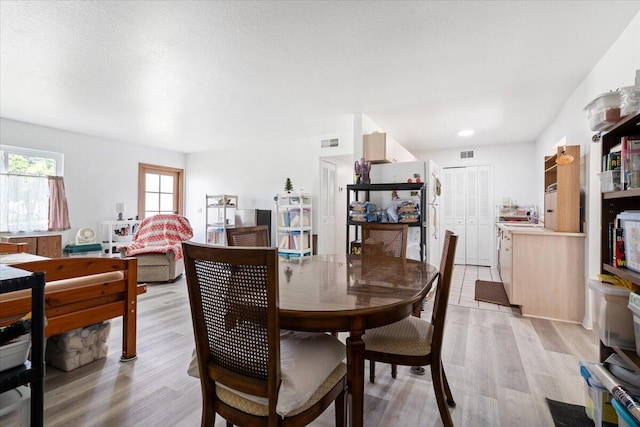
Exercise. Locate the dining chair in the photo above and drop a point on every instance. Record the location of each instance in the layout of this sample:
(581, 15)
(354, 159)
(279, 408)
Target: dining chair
(416, 342)
(384, 239)
(257, 235)
(252, 373)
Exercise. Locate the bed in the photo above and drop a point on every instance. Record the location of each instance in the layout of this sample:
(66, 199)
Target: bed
(79, 292)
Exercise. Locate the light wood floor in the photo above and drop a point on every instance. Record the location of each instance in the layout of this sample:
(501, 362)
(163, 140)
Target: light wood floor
(500, 366)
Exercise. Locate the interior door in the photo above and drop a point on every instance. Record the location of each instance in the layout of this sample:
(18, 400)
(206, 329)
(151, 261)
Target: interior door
(327, 237)
(466, 210)
(471, 216)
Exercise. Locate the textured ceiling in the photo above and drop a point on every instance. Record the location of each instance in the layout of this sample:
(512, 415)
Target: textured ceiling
(197, 75)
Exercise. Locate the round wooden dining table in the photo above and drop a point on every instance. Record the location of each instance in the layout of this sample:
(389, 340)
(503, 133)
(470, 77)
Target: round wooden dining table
(349, 293)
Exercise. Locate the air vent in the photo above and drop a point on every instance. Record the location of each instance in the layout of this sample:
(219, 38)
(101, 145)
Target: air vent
(330, 143)
(466, 154)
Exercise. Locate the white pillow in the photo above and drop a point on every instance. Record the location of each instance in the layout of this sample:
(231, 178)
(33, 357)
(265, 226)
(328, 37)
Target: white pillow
(306, 360)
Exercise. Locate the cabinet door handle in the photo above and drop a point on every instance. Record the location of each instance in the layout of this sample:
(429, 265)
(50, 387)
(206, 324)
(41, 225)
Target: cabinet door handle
(549, 210)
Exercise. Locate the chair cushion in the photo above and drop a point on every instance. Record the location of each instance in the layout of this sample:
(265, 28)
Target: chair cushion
(410, 336)
(306, 360)
(250, 406)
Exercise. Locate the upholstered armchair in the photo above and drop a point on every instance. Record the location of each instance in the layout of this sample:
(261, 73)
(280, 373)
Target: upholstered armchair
(157, 246)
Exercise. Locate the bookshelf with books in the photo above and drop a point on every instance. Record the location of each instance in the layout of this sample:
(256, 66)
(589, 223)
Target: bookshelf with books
(624, 197)
(293, 225)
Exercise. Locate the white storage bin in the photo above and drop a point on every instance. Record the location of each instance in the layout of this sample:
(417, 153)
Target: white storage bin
(612, 320)
(604, 111)
(15, 407)
(14, 354)
(610, 181)
(634, 307)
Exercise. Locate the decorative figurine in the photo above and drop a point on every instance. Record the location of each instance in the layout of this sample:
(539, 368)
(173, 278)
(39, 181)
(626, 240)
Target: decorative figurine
(288, 186)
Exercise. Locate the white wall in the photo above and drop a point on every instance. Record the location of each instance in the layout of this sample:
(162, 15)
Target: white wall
(257, 174)
(616, 69)
(97, 172)
(514, 166)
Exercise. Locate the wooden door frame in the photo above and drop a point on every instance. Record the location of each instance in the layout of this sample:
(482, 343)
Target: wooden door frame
(178, 185)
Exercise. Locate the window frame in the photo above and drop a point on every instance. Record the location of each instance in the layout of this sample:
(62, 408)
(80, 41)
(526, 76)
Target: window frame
(178, 186)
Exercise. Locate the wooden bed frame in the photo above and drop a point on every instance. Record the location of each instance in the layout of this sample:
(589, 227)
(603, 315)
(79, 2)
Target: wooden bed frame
(86, 304)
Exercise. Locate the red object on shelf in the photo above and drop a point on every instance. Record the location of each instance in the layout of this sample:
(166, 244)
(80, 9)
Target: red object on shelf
(409, 180)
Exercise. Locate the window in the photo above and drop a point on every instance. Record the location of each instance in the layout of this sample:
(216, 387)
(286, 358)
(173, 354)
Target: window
(159, 190)
(24, 199)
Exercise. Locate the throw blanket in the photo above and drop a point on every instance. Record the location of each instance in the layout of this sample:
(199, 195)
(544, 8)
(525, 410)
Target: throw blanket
(160, 234)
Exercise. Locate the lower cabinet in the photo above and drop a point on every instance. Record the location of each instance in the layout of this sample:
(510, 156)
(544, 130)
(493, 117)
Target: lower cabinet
(47, 245)
(543, 273)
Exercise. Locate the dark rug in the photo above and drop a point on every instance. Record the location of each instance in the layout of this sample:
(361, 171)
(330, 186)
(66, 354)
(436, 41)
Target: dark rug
(568, 415)
(492, 292)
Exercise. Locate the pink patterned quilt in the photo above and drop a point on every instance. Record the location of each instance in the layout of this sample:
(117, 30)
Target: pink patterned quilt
(160, 234)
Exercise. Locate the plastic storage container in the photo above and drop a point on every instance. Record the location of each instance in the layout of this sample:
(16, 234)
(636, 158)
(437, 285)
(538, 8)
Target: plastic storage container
(610, 181)
(629, 100)
(15, 407)
(597, 400)
(613, 321)
(604, 111)
(625, 419)
(14, 354)
(634, 307)
(630, 223)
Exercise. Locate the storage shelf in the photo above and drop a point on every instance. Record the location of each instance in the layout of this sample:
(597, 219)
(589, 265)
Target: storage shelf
(625, 273)
(613, 203)
(621, 194)
(410, 224)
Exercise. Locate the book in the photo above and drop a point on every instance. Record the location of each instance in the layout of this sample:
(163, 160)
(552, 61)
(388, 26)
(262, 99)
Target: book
(619, 259)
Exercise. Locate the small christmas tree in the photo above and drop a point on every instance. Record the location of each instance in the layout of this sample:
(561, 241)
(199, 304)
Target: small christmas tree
(288, 186)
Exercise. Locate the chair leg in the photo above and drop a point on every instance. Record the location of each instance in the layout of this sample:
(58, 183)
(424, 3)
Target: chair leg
(394, 371)
(372, 371)
(447, 390)
(439, 389)
(229, 424)
(341, 410)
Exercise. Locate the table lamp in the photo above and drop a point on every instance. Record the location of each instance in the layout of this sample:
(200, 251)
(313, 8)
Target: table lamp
(120, 209)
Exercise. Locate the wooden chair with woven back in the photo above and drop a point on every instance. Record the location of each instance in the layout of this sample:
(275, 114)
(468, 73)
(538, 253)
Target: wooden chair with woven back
(251, 373)
(416, 342)
(384, 239)
(257, 235)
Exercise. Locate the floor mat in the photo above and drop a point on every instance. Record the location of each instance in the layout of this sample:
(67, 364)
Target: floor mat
(492, 292)
(568, 415)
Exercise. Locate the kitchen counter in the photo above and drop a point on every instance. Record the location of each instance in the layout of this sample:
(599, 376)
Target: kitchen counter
(527, 228)
(543, 270)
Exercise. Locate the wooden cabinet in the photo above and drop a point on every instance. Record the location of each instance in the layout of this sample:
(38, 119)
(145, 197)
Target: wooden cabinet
(379, 148)
(612, 204)
(562, 191)
(505, 261)
(543, 271)
(47, 245)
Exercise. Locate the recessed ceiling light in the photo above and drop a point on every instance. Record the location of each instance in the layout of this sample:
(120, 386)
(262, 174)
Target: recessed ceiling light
(465, 132)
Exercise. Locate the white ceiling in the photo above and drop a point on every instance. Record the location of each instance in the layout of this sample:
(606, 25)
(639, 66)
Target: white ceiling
(194, 76)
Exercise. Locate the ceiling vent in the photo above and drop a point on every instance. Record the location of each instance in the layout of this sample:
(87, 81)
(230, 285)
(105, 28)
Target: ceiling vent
(330, 143)
(466, 154)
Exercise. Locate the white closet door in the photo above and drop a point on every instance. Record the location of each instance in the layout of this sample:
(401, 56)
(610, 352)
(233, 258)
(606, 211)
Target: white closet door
(471, 216)
(466, 210)
(485, 216)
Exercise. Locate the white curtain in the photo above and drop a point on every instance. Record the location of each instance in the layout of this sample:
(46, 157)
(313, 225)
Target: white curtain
(24, 203)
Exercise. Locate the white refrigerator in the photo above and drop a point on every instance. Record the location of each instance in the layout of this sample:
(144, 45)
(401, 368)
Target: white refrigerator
(429, 173)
